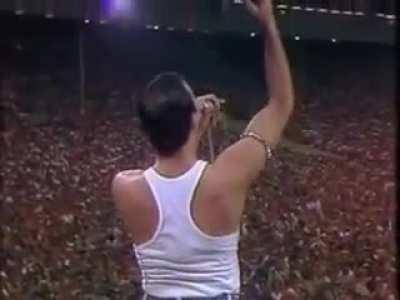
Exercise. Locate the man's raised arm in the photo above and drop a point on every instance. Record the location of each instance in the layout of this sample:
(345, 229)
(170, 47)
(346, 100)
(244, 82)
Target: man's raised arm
(270, 121)
(242, 162)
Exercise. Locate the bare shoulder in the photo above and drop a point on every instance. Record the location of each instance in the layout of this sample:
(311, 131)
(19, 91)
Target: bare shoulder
(125, 182)
(129, 174)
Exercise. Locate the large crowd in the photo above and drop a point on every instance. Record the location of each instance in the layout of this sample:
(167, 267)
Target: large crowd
(319, 222)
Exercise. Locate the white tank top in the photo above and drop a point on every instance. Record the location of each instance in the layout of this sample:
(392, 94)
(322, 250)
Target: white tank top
(180, 260)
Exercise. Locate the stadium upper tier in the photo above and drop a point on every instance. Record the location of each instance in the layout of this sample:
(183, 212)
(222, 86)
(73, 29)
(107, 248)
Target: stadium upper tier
(357, 20)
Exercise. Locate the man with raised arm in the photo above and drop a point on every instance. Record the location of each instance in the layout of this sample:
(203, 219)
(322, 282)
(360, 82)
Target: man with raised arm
(184, 213)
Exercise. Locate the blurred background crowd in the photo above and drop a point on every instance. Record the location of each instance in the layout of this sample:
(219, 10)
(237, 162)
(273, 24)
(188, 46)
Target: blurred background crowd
(319, 222)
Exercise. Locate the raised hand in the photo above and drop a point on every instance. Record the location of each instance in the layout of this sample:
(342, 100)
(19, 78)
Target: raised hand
(261, 9)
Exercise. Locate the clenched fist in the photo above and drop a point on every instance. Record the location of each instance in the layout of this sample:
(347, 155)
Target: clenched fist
(210, 108)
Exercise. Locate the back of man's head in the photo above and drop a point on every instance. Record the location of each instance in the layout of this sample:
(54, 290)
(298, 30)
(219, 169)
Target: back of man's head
(165, 112)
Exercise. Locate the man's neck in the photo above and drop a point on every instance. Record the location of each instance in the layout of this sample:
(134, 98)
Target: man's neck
(175, 165)
(180, 162)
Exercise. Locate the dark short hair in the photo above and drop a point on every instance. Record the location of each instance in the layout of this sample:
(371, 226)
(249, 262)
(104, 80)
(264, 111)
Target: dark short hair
(165, 112)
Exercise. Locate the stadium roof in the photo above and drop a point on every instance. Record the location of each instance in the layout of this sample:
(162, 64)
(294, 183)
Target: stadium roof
(301, 19)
